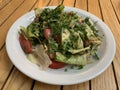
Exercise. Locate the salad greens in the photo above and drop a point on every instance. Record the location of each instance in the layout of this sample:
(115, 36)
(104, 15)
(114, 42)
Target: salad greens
(77, 37)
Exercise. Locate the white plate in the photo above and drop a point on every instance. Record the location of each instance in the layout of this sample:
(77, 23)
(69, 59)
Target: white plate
(59, 77)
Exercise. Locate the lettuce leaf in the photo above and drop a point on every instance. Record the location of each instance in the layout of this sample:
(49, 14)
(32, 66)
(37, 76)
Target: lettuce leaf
(74, 59)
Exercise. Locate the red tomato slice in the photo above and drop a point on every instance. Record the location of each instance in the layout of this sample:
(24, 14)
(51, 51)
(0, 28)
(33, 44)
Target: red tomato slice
(25, 44)
(47, 33)
(57, 65)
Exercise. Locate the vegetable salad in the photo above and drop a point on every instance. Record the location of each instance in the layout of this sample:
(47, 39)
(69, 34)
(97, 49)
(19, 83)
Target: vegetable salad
(57, 38)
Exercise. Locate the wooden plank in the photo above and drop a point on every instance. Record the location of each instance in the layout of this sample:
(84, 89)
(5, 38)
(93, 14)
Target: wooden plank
(116, 5)
(9, 9)
(35, 6)
(82, 86)
(55, 2)
(20, 11)
(93, 7)
(3, 3)
(43, 86)
(69, 3)
(18, 81)
(111, 20)
(43, 3)
(82, 4)
(116, 64)
(106, 80)
(5, 67)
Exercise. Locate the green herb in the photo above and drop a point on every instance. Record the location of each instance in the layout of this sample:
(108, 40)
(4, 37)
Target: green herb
(80, 67)
(66, 70)
(87, 21)
(72, 67)
(53, 45)
(66, 46)
(96, 56)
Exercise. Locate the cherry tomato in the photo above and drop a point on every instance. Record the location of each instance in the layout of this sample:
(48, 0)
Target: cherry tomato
(57, 65)
(47, 33)
(25, 44)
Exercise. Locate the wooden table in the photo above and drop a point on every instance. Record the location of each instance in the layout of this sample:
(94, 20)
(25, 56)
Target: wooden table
(12, 79)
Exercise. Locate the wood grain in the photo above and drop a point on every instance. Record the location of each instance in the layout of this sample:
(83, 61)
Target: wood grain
(55, 2)
(43, 86)
(9, 9)
(18, 81)
(3, 3)
(82, 4)
(93, 7)
(5, 66)
(42, 3)
(20, 11)
(103, 80)
(35, 6)
(82, 86)
(69, 3)
(111, 20)
(116, 5)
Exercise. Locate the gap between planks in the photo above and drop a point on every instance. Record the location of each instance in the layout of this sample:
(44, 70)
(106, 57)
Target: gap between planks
(115, 76)
(115, 11)
(12, 12)
(7, 77)
(11, 15)
(1, 6)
